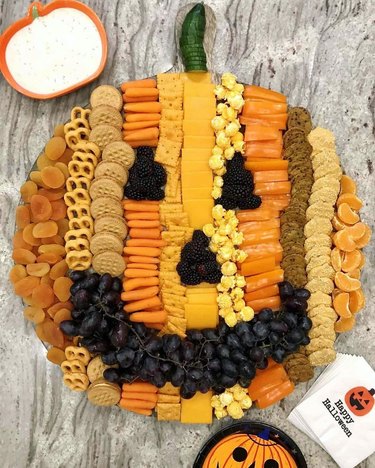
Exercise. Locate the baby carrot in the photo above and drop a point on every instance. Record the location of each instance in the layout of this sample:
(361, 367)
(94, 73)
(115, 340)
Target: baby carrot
(145, 243)
(144, 412)
(144, 223)
(141, 266)
(137, 273)
(144, 396)
(155, 326)
(142, 134)
(138, 294)
(146, 83)
(149, 317)
(141, 92)
(143, 304)
(269, 291)
(144, 99)
(142, 117)
(142, 215)
(144, 233)
(264, 279)
(135, 283)
(143, 251)
(140, 259)
(143, 387)
(131, 404)
(131, 205)
(143, 107)
(258, 92)
(128, 126)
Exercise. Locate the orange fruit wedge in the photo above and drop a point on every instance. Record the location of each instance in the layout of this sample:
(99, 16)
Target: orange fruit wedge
(350, 260)
(335, 292)
(346, 214)
(336, 260)
(365, 239)
(348, 185)
(356, 273)
(363, 260)
(357, 231)
(346, 283)
(352, 200)
(343, 241)
(356, 301)
(338, 224)
(344, 324)
(341, 305)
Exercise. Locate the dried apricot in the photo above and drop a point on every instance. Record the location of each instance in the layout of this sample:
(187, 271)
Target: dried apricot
(365, 239)
(28, 300)
(52, 248)
(35, 314)
(341, 305)
(41, 208)
(49, 257)
(52, 194)
(336, 259)
(61, 288)
(46, 280)
(36, 176)
(26, 286)
(59, 305)
(63, 168)
(67, 156)
(38, 269)
(63, 225)
(348, 185)
(43, 296)
(343, 241)
(19, 243)
(17, 273)
(351, 260)
(338, 224)
(346, 283)
(352, 200)
(48, 331)
(23, 256)
(56, 355)
(29, 237)
(58, 210)
(357, 301)
(43, 162)
(58, 131)
(22, 216)
(58, 270)
(45, 229)
(28, 189)
(56, 239)
(55, 147)
(344, 324)
(61, 315)
(346, 214)
(52, 177)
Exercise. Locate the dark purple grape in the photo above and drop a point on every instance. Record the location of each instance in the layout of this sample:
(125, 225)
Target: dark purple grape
(209, 378)
(244, 382)
(208, 351)
(81, 300)
(229, 368)
(90, 323)
(77, 314)
(261, 330)
(132, 342)
(247, 370)
(222, 351)
(278, 326)
(140, 328)
(76, 286)
(285, 290)
(233, 341)
(195, 374)
(223, 329)
(119, 335)
(203, 386)
(187, 351)
(290, 347)
(266, 315)
(304, 322)
(105, 283)
(218, 388)
(274, 337)
(109, 358)
(188, 389)
(154, 345)
(126, 376)
(256, 354)
(210, 334)
(98, 347)
(116, 285)
(138, 359)
(237, 357)
(76, 275)
(178, 377)
(166, 367)
(293, 304)
(151, 365)
(195, 336)
(295, 336)
(306, 340)
(125, 357)
(112, 375)
(302, 293)
(170, 343)
(175, 356)
(290, 319)
(248, 339)
(95, 297)
(267, 350)
(241, 328)
(158, 379)
(226, 381)
(111, 298)
(263, 364)
(104, 327)
(91, 282)
(214, 365)
(278, 355)
(69, 327)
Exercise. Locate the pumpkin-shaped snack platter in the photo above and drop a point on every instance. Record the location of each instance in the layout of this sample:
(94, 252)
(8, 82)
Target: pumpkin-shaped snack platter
(54, 50)
(250, 445)
(191, 249)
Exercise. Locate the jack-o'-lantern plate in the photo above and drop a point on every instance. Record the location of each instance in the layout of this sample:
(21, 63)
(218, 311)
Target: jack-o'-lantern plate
(189, 248)
(250, 445)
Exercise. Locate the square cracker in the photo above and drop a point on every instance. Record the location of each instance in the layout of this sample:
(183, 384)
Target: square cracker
(170, 252)
(168, 152)
(168, 398)
(167, 265)
(168, 411)
(174, 311)
(172, 115)
(169, 389)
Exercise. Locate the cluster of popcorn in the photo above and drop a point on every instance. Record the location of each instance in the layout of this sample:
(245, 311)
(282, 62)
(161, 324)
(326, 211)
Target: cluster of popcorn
(232, 402)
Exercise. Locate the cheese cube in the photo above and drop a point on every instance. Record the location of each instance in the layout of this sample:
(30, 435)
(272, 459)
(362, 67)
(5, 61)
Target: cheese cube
(201, 316)
(196, 179)
(199, 108)
(194, 166)
(196, 193)
(199, 141)
(202, 288)
(198, 90)
(197, 128)
(200, 299)
(199, 212)
(197, 410)
(196, 154)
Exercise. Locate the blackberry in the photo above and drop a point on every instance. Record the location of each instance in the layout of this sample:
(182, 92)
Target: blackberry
(253, 202)
(188, 274)
(160, 175)
(213, 277)
(227, 203)
(145, 151)
(143, 167)
(211, 266)
(134, 194)
(200, 237)
(236, 192)
(157, 194)
(191, 253)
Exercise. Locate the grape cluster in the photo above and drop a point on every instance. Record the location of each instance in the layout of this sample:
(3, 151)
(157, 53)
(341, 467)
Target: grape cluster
(146, 177)
(198, 263)
(238, 187)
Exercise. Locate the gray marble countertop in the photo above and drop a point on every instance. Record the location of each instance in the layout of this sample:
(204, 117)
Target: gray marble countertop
(316, 52)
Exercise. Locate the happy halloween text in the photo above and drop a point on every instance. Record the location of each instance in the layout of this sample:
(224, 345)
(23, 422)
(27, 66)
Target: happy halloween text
(339, 414)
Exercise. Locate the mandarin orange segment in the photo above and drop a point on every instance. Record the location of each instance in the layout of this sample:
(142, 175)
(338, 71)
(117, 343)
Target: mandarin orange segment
(25, 286)
(61, 315)
(344, 324)
(52, 248)
(52, 194)
(338, 224)
(356, 273)
(35, 314)
(28, 235)
(23, 256)
(345, 282)
(28, 189)
(56, 355)
(55, 147)
(49, 332)
(41, 208)
(346, 214)
(58, 210)
(357, 231)
(49, 257)
(22, 216)
(352, 200)
(348, 185)
(351, 260)
(357, 300)
(19, 243)
(38, 269)
(365, 239)
(43, 162)
(58, 270)
(17, 273)
(59, 305)
(53, 177)
(335, 292)
(45, 229)
(46, 280)
(43, 296)
(63, 226)
(336, 259)
(341, 305)
(343, 241)
(61, 288)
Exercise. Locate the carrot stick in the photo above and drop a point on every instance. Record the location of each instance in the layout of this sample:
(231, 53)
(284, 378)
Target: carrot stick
(146, 107)
(261, 132)
(137, 273)
(264, 279)
(140, 259)
(272, 188)
(143, 387)
(143, 117)
(144, 99)
(149, 317)
(143, 304)
(138, 294)
(257, 266)
(259, 214)
(144, 412)
(144, 223)
(141, 92)
(269, 291)
(253, 226)
(142, 215)
(273, 165)
(270, 176)
(131, 404)
(146, 83)
(146, 396)
(143, 251)
(145, 243)
(138, 143)
(132, 205)
(137, 125)
(259, 237)
(143, 134)
(141, 266)
(144, 233)
(264, 250)
(258, 92)
(155, 326)
(135, 283)
(255, 107)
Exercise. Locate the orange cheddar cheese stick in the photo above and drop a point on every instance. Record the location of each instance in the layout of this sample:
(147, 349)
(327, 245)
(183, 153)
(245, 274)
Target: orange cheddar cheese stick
(145, 243)
(278, 121)
(144, 223)
(136, 144)
(155, 116)
(141, 92)
(253, 238)
(263, 165)
(264, 279)
(139, 386)
(142, 134)
(258, 92)
(259, 214)
(261, 133)
(135, 283)
(269, 291)
(142, 304)
(272, 188)
(139, 294)
(145, 99)
(149, 317)
(138, 273)
(276, 203)
(272, 302)
(276, 394)
(147, 83)
(264, 250)
(253, 107)
(144, 233)
(129, 403)
(143, 107)
(140, 259)
(142, 215)
(253, 226)
(258, 266)
(253, 153)
(142, 266)
(270, 176)
(143, 251)
(144, 396)
(143, 412)
(129, 126)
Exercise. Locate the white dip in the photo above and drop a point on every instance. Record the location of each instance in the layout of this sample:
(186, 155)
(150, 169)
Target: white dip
(55, 51)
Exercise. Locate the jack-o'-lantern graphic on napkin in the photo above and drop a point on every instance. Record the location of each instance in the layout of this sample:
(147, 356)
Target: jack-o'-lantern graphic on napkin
(360, 400)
